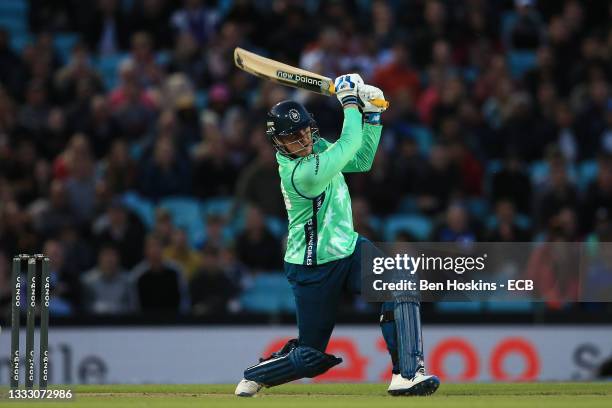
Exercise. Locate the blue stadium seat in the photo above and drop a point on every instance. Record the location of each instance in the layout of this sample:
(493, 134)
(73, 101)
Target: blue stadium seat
(510, 307)
(64, 42)
(459, 307)
(520, 62)
(15, 8)
(521, 220)
(277, 226)
(587, 173)
(423, 137)
(15, 26)
(143, 208)
(408, 205)
(19, 41)
(217, 206)
(107, 66)
(492, 167)
(539, 171)
(416, 225)
(185, 212)
(269, 293)
(477, 207)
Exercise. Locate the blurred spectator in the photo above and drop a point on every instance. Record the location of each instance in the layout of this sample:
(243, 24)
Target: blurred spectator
(81, 179)
(189, 59)
(5, 284)
(554, 268)
(506, 227)
(159, 284)
(151, 16)
(407, 165)
(142, 57)
(56, 15)
(211, 289)
(606, 135)
(470, 168)
(197, 19)
(12, 73)
(362, 219)
(95, 119)
(435, 26)
(377, 185)
(124, 231)
(105, 28)
(523, 28)
(598, 196)
(259, 184)
(558, 193)
(512, 183)
(439, 182)
(65, 294)
(118, 170)
(214, 173)
(77, 71)
(132, 106)
(33, 115)
(164, 174)
(163, 227)
(20, 173)
(591, 122)
(182, 254)
(107, 288)
(456, 227)
(322, 56)
(256, 247)
(398, 74)
(215, 236)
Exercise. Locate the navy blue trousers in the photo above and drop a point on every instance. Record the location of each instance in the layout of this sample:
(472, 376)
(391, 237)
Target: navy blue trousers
(319, 289)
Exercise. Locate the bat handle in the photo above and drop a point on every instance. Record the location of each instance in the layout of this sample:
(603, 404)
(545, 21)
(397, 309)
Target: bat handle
(381, 103)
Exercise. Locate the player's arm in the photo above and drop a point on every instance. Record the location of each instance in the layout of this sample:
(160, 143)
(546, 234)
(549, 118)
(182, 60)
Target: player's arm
(313, 173)
(372, 129)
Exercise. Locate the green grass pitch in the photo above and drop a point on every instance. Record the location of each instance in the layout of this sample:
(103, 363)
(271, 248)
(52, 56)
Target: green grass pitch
(557, 395)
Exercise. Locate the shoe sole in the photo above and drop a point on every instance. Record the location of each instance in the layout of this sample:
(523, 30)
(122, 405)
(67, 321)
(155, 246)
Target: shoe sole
(245, 394)
(426, 387)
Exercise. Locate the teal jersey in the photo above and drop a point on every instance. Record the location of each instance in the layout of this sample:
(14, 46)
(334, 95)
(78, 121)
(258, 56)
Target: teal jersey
(316, 195)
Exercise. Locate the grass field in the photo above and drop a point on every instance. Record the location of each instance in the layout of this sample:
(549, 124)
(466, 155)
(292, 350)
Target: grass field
(557, 395)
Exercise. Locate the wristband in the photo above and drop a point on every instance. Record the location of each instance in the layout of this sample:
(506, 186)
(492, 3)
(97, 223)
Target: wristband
(351, 100)
(373, 118)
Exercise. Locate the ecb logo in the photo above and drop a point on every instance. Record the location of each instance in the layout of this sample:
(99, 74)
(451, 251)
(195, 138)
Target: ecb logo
(294, 115)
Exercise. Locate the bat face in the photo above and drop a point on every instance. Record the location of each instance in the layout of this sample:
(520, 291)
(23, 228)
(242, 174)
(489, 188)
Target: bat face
(287, 75)
(282, 73)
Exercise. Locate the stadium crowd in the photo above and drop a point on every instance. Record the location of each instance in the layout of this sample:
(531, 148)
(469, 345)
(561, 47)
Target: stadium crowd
(133, 153)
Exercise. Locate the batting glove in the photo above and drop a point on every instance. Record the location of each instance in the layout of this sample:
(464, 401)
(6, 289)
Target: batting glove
(371, 112)
(347, 87)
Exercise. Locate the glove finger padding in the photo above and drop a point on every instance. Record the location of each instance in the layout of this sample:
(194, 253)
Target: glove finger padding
(366, 94)
(347, 89)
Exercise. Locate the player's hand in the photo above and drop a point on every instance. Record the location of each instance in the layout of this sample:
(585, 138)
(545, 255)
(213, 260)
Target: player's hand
(347, 89)
(368, 92)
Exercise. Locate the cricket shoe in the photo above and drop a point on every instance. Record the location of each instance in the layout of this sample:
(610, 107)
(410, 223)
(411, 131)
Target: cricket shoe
(247, 388)
(421, 384)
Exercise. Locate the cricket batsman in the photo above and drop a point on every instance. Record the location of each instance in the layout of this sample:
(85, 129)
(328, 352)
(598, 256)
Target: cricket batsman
(323, 256)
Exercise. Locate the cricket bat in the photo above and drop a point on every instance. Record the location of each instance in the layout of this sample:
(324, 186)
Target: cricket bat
(287, 75)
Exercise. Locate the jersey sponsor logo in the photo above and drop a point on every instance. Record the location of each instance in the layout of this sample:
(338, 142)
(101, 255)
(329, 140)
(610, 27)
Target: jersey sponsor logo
(310, 231)
(294, 115)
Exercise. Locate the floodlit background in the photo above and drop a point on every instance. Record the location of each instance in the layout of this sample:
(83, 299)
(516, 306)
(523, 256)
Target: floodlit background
(133, 153)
